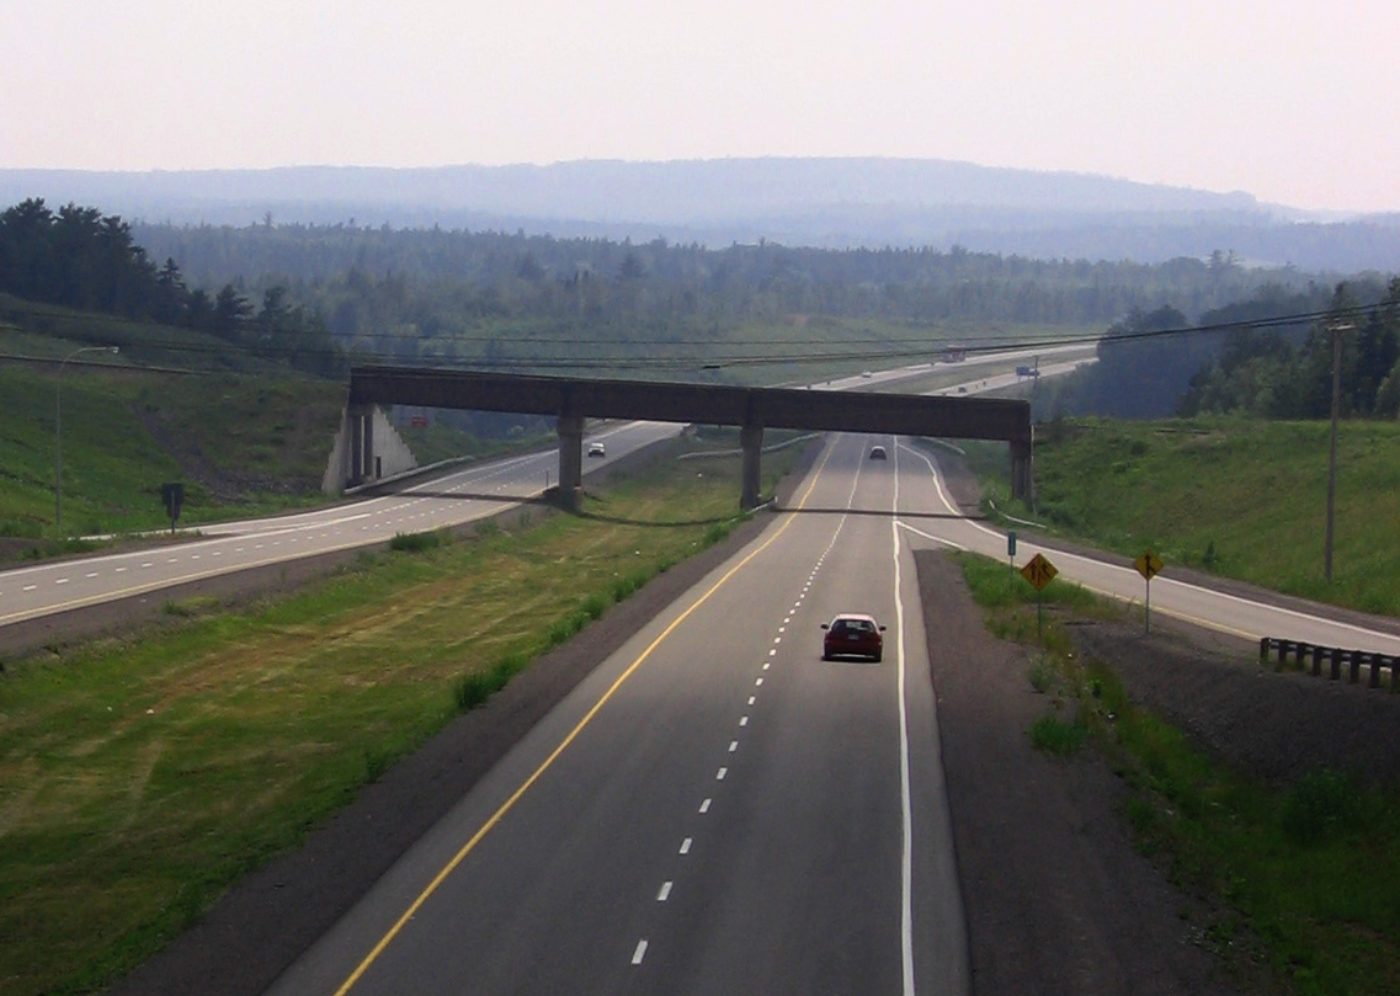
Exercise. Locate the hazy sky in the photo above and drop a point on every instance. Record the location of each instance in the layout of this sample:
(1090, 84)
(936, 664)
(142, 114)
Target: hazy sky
(1294, 101)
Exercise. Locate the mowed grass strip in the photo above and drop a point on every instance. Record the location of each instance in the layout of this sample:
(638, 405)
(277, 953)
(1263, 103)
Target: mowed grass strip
(1245, 498)
(139, 778)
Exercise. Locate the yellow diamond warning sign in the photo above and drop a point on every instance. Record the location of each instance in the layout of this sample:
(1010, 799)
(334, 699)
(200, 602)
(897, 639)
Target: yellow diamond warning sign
(1039, 572)
(1148, 564)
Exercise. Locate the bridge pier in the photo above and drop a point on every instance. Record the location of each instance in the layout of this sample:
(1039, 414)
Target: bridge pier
(361, 443)
(751, 439)
(570, 429)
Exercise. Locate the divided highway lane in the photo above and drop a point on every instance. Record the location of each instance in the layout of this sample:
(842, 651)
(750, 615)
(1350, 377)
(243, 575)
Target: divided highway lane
(471, 493)
(714, 810)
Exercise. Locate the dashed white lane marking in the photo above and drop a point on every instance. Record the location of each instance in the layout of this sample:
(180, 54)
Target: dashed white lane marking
(705, 806)
(773, 653)
(685, 846)
(147, 564)
(29, 587)
(743, 721)
(719, 775)
(767, 665)
(90, 574)
(733, 746)
(172, 560)
(61, 581)
(752, 699)
(121, 570)
(781, 629)
(665, 892)
(640, 952)
(758, 681)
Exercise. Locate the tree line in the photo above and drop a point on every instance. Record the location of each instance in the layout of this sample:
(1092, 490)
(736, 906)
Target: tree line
(79, 258)
(534, 302)
(511, 299)
(1272, 374)
(1243, 358)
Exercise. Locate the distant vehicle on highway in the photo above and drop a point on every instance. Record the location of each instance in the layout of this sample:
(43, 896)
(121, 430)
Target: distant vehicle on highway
(853, 634)
(878, 453)
(597, 450)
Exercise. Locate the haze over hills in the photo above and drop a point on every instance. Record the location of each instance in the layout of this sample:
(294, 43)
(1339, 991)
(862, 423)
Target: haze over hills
(830, 203)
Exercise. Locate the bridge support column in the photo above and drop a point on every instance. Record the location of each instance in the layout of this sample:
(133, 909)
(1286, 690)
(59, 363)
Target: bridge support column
(570, 429)
(360, 419)
(751, 439)
(1022, 473)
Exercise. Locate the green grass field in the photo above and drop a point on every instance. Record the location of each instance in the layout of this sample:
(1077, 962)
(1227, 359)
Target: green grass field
(1241, 498)
(138, 777)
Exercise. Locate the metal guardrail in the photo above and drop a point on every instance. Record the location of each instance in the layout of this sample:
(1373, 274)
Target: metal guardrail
(1336, 657)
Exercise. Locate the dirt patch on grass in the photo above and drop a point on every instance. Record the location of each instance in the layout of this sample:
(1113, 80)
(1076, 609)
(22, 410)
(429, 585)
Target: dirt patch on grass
(1271, 724)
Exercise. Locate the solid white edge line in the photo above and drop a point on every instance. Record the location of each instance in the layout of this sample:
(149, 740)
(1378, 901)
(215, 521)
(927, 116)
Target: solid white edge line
(1212, 592)
(906, 899)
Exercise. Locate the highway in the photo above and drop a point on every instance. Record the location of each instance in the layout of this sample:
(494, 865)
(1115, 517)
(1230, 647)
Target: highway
(461, 496)
(715, 810)
(458, 497)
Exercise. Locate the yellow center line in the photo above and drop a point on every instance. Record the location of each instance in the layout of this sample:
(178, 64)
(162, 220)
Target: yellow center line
(569, 738)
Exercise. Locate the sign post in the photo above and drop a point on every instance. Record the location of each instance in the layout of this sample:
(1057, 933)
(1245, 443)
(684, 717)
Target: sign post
(1010, 553)
(172, 496)
(1149, 565)
(1039, 572)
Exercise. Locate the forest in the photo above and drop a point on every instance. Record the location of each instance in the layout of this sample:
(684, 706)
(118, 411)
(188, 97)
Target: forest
(538, 302)
(334, 294)
(81, 259)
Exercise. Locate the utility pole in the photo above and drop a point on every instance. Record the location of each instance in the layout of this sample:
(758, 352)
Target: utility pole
(1337, 331)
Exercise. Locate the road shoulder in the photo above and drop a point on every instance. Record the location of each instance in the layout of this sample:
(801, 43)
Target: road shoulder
(1057, 899)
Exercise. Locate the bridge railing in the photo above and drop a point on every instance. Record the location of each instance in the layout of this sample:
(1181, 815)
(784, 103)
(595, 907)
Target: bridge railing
(1312, 656)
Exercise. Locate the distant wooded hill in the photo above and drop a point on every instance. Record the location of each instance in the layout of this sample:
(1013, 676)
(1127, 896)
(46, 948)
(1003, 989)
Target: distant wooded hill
(829, 203)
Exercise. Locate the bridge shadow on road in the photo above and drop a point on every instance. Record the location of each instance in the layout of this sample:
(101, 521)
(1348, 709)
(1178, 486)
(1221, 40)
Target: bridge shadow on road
(884, 513)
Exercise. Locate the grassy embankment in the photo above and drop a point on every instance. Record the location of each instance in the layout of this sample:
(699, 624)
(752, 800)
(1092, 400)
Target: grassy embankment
(244, 441)
(1307, 873)
(139, 777)
(1241, 498)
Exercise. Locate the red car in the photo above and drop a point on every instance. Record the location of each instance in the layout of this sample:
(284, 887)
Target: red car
(853, 634)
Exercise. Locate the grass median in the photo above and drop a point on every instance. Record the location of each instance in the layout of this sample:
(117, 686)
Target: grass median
(140, 777)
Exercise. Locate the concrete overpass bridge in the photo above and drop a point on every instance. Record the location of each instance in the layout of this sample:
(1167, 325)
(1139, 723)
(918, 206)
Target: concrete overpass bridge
(752, 409)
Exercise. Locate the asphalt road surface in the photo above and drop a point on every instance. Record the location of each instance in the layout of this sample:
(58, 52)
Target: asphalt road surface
(715, 810)
(224, 548)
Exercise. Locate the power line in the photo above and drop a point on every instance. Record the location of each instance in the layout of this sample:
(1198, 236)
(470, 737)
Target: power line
(864, 352)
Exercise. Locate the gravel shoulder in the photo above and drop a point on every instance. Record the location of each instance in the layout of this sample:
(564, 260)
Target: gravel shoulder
(1057, 899)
